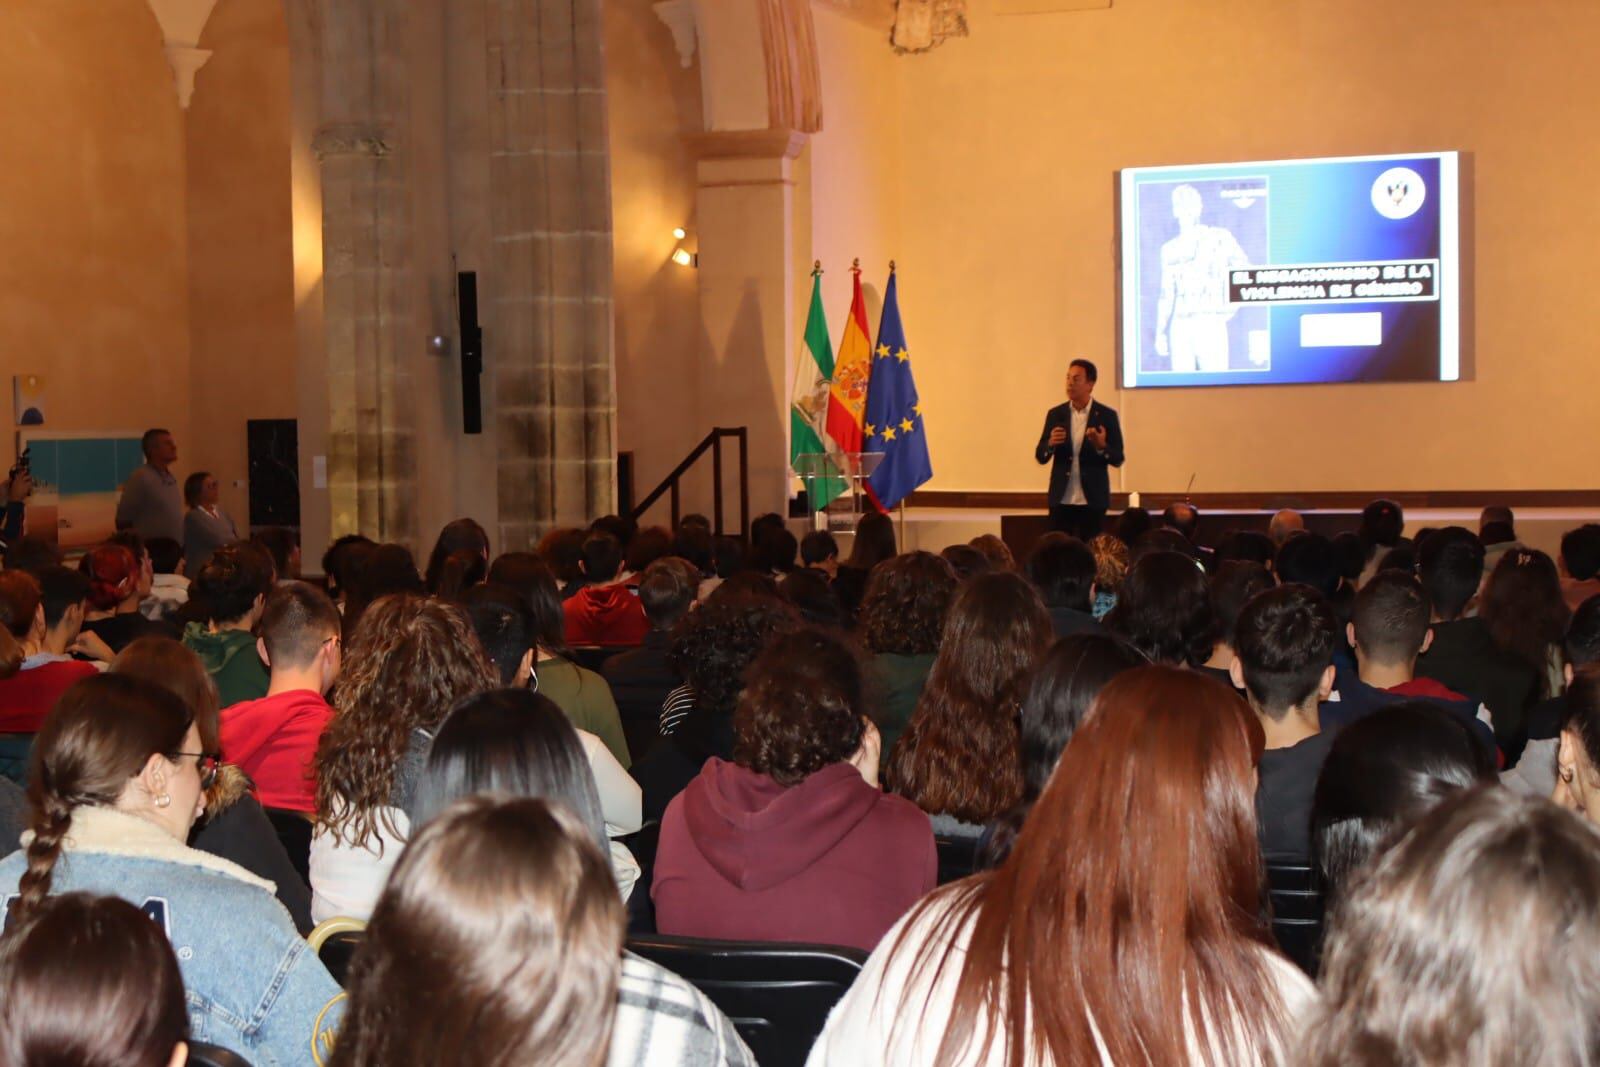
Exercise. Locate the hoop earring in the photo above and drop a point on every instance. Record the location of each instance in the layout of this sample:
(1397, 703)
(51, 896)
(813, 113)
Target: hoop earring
(164, 800)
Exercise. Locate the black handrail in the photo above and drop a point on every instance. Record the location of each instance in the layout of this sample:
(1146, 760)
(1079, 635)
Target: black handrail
(713, 443)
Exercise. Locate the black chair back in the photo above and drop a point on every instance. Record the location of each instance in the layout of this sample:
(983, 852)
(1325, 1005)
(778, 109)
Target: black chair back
(294, 831)
(1296, 896)
(337, 952)
(204, 1055)
(958, 857)
(777, 994)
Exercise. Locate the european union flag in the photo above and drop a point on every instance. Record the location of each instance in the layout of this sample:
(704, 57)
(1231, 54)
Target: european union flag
(894, 415)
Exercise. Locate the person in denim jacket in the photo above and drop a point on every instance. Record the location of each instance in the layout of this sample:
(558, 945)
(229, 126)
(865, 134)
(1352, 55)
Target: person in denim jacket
(118, 778)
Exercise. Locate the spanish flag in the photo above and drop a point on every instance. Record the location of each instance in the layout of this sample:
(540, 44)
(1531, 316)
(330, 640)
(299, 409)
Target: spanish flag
(847, 399)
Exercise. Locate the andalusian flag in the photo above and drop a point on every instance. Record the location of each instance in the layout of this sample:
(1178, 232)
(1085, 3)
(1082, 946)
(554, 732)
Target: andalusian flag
(808, 409)
(847, 401)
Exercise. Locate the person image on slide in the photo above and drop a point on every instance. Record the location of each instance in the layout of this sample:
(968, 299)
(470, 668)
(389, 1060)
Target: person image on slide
(1193, 313)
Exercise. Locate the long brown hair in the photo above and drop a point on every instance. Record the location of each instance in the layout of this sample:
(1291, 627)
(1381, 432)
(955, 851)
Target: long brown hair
(1524, 610)
(1473, 939)
(505, 911)
(1130, 905)
(409, 661)
(175, 666)
(961, 755)
(102, 732)
(89, 981)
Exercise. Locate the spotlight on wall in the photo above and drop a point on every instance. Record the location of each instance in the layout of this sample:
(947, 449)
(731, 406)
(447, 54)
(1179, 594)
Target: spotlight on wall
(438, 345)
(680, 233)
(684, 258)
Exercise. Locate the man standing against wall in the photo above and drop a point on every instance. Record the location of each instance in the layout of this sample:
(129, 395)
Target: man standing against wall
(151, 503)
(1083, 440)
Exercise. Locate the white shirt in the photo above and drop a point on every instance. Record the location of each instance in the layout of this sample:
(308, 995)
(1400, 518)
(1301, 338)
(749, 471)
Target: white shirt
(1080, 425)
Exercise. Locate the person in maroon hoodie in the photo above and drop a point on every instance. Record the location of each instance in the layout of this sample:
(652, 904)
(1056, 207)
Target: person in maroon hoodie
(605, 611)
(794, 840)
(274, 739)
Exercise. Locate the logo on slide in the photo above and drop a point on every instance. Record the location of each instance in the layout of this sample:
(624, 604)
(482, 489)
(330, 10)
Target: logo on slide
(1398, 193)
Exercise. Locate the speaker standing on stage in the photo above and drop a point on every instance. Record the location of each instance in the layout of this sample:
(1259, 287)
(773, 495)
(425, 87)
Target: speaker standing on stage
(1084, 438)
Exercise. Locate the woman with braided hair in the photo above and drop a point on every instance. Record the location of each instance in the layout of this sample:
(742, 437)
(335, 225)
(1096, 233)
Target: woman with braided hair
(118, 778)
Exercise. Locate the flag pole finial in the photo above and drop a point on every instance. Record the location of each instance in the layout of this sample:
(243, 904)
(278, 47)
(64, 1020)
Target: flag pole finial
(816, 268)
(891, 266)
(855, 267)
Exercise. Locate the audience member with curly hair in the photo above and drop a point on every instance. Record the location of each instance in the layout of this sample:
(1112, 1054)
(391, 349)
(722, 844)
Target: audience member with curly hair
(410, 660)
(900, 621)
(1110, 567)
(960, 759)
(793, 840)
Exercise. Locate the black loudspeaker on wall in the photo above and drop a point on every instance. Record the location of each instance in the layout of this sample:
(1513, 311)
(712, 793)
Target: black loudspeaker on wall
(471, 352)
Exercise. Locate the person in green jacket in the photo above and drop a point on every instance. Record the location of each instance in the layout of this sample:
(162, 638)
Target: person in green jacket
(901, 618)
(230, 589)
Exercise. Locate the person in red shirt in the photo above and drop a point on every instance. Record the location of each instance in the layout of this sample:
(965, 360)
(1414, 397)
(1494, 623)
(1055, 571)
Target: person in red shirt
(606, 611)
(274, 739)
(46, 632)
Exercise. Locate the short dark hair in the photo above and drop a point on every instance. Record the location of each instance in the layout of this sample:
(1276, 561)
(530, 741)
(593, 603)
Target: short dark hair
(1583, 633)
(1309, 559)
(1089, 370)
(649, 544)
(1391, 617)
(1164, 609)
(19, 601)
(818, 546)
(602, 557)
(1450, 564)
(1183, 517)
(499, 619)
(966, 561)
(1497, 533)
(802, 708)
(1132, 524)
(1063, 570)
(148, 439)
(32, 553)
(775, 549)
(165, 554)
(1251, 546)
(338, 561)
(193, 486)
(296, 622)
(813, 597)
(728, 556)
(1497, 513)
(621, 527)
(59, 589)
(1284, 641)
(1580, 551)
(1351, 554)
(229, 583)
(693, 543)
(667, 591)
(1382, 523)
(1232, 587)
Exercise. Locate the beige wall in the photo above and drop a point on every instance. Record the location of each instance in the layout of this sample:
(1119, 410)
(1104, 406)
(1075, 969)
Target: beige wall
(1010, 139)
(241, 278)
(93, 277)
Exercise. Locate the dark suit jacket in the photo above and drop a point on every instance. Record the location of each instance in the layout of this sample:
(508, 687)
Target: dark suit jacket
(1096, 466)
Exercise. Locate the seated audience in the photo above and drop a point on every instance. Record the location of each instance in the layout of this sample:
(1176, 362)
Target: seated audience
(562, 551)
(1383, 524)
(960, 758)
(1062, 569)
(1535, 772)
(31, 553)
(996, 551)
(1284, 525)
(283, 545)
(1496, 525)
(605, 611)
(966, 561)
(234, 825)
(1463, 655)
(1059, 695)
(119, 778)
(46, 670)
(516, 743)
(375, 572)
(692, 542)
(1383, 772)
(1578, 752)
(64, 595)
(230, 591)
(1249, 546)
(1580, 564)
(1351, 555)
(206, 527)
(793, 840)
(274, 739)
(578, 691)
(648, 545)
(711, 649)
(1110, 567)
(1310, 559)
(118, 583)
(819, 551)
(1164, 610)
(1132, 525)
(339, 564)
(462, 535)
(1284, 647)
(90, 981)
(1526, 614)
(728, 560)
(981, 973)
(169, 589)
(1232, 587)
(641, 678)
(813, 597)
(410, 660)
(1473, 939)
(774, 551)
(874, 542)
(503, 910)
(901, 619)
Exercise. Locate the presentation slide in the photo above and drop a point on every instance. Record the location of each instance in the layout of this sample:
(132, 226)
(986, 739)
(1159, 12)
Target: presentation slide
(1304, 270)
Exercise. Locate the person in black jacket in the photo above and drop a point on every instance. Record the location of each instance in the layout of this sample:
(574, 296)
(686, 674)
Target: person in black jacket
(641, 678)
(1082, 440)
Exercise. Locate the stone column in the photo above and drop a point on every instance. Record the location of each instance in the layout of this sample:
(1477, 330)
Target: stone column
(545, 301)
(372, 340)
